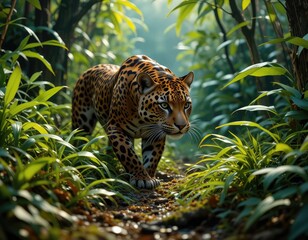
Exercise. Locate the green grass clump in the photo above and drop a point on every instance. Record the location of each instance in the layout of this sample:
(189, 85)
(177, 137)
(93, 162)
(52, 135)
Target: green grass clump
(261, 174)
(43, 175)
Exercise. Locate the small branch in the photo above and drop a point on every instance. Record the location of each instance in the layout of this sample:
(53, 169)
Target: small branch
(276, 24)
(83, 10)
(8, 19)
(247, 32)
(249, 36)
(226, 48)
(217, 6)
(254, 17)
(236, 14)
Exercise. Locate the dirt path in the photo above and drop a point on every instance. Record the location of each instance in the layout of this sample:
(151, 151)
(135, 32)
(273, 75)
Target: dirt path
(153, 215)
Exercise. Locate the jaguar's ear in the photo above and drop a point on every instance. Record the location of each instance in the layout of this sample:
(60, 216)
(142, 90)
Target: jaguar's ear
(188, 79)
(146, 83)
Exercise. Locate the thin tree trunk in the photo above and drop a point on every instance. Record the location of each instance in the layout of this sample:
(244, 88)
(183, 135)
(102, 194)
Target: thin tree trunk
(297, 12)
(249, 34)
(69, 14)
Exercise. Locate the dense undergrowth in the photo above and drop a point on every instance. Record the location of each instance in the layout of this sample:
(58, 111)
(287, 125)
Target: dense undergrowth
(258, 176)
(42, 173)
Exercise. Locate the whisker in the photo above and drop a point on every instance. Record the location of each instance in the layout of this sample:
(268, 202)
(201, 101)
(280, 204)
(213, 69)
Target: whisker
(154, 135)
(194, 133)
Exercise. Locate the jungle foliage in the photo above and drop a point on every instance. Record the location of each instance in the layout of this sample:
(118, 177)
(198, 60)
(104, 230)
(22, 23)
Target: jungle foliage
(250, 103)
(256, 162)
(42, 173)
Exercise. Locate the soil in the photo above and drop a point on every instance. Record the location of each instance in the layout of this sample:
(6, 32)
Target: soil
(156, 214)
(153, 214)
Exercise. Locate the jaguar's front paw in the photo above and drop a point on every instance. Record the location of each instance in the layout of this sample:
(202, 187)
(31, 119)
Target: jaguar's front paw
(145, 183)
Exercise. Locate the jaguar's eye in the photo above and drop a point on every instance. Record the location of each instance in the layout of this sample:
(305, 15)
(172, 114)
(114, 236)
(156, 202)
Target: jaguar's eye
(187, 105)
(164, 105)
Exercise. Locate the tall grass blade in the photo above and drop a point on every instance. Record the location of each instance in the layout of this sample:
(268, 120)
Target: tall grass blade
(264, 206)
(12, 86)
(251, 124)
(300, 225)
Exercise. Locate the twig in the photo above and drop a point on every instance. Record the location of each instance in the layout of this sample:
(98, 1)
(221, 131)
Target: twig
(8, 19)
(83, 10)
(217, 6)
(254, 17)
(226, 48)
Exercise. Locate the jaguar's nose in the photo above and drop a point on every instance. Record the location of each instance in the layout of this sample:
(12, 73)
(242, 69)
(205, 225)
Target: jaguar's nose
(180, 126)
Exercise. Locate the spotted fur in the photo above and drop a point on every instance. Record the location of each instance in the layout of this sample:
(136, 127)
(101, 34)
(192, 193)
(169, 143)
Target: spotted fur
(140, 99)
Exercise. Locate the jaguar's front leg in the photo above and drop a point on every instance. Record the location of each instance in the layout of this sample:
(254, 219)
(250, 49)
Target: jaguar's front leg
(151, 154)
(124, 149)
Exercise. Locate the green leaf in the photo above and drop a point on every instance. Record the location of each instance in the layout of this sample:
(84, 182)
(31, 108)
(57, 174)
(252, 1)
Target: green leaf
(253, 108)
(289, 89)
(265, 93)
(253, 201)
(303, 188)
(100, 191)
(31, 54)
(128, 21)
(186, 8)
(227, 184)
(35, 3)
(183, 4)
(245, 4)
(286, 192)
(40, 203)
(251, 124)
(92, 141)
(56, 138)
(82, 154)
(259, 70)
(23, 215)
(16, 130)
(273, 173)
(269, 71)
(29, 30)
(300, 226)
(23, 43)
(35, 76)
(282, 147)
(263, 207)
(271, 12)
(298, 41)
(27, 144)
(26, 126)
(302, 44)
(12, 86)
(224, 44)
(21, 107)
(54, 43)
(299, 115)
(45, 95)
(302, 103)
(90, 186)
(33, 168)
(238, 26)
(130, 5)
(304, 146)
(4, 153)
(114, 17)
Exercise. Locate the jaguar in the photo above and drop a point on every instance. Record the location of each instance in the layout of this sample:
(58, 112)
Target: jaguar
(139, 99)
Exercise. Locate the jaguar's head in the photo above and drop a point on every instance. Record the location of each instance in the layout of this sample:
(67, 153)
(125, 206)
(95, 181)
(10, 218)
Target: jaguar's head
(165, 104)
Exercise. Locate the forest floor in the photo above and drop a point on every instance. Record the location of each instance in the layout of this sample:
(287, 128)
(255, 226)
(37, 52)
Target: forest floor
(156, 214)
(152, 214)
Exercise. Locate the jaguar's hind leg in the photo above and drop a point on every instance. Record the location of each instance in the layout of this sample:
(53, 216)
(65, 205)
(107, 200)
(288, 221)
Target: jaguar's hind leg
(83, 113)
